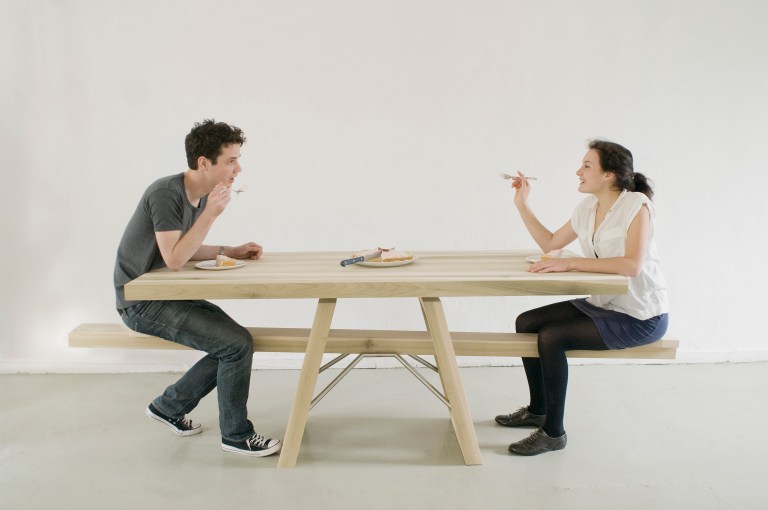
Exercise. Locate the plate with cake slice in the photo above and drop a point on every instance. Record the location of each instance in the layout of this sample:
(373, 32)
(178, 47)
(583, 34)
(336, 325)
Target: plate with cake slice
(220, 263)
(554, 254)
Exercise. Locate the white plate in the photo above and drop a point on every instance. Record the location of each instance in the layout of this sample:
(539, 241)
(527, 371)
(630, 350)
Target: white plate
(533, 258)
(394, 263)
(210, 265)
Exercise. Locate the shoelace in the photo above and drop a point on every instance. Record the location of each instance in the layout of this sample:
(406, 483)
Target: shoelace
(257, 440)
(184, 422)
(533, 437)
(520, 411)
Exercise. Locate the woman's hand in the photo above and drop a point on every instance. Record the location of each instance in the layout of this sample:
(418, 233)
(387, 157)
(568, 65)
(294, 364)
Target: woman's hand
(522, 189)
(552, 266)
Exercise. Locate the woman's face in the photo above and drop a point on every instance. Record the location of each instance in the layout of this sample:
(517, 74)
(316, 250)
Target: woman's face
(592, 179)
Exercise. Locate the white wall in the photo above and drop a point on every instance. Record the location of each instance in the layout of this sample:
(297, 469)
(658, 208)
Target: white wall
(375, 122)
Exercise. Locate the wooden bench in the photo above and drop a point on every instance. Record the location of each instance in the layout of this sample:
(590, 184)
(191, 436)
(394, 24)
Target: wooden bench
(348, 341)
(367, 343)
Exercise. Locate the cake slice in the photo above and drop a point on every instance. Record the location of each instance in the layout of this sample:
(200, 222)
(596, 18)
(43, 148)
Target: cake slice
(553, 254)
(224, 261)
(392, 255)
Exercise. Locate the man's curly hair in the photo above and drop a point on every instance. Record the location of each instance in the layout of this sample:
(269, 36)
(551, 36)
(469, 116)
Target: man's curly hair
(207, 139)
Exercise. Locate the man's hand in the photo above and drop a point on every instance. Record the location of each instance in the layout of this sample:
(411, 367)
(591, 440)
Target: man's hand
(251, 251)
(218, 199)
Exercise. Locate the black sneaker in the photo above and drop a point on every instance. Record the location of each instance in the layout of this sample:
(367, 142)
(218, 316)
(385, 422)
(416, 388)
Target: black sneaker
(255, 446)
(521, 418)
(180, 426)
(538, 442)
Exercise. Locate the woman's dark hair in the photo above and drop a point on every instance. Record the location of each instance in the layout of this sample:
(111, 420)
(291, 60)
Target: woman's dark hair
(207, 138)
(617, 159)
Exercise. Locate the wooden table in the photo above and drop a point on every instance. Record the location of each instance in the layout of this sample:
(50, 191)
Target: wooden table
(318, 275)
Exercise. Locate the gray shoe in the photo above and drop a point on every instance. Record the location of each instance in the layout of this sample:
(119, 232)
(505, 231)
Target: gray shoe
(538, 442)
(521, 418)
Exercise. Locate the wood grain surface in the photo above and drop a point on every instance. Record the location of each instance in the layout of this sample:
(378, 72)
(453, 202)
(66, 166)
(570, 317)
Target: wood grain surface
(319, 275)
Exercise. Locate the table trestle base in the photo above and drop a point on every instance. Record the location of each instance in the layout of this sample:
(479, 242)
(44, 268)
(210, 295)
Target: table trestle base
(437, 393)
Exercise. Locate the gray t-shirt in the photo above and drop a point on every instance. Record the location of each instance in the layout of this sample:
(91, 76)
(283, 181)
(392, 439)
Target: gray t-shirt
(163, 207)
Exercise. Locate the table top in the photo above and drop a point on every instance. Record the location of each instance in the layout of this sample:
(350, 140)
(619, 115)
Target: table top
(319, 275)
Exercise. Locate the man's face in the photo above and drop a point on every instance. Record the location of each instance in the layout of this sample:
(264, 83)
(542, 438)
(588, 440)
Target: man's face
(227, 165)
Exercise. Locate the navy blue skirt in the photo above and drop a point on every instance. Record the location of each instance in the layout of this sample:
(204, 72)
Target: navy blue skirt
(619, 330)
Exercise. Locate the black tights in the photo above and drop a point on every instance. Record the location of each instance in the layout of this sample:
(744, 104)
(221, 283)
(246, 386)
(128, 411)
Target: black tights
(561, 327)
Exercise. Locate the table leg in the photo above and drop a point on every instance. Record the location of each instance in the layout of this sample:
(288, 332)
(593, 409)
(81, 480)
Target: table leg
(318, 337)
(454, 389)
(437, 362)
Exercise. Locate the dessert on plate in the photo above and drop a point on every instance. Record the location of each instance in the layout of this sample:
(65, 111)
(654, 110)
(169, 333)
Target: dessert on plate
(224, 261)
(383, 255)
(553, 254)
(392, 255)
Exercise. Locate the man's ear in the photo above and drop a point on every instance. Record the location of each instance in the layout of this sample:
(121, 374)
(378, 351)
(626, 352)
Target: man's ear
(202, 163)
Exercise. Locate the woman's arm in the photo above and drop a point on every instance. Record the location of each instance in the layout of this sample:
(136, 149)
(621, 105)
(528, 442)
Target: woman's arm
(546, 240)
(628, 265)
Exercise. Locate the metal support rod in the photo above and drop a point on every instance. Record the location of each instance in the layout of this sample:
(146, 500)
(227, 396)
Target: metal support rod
(398, 357)
(423, 380)
(424, 362)
(336, 380)
(332, 362)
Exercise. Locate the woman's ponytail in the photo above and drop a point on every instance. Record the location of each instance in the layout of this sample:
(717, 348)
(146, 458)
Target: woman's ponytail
(643, 185)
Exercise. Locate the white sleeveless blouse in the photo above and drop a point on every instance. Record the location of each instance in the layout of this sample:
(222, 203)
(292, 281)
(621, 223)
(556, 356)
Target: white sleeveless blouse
(647, 296)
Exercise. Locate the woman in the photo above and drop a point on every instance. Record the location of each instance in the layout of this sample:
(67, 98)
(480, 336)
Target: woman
(614, 226)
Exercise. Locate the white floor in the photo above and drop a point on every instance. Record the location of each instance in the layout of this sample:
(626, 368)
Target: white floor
(640, 437)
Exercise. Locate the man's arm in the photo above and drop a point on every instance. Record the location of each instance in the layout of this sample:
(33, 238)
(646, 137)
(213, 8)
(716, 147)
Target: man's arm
(177, 249)
(244, 251)
(176, 246)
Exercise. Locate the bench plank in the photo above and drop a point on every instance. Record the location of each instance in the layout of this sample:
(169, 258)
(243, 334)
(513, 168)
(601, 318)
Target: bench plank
(117, 336)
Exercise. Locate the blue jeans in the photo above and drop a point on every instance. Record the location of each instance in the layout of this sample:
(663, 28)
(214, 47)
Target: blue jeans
(206, 327)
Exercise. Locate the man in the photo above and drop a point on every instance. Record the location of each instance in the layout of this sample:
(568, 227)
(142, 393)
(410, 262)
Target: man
(167, 230)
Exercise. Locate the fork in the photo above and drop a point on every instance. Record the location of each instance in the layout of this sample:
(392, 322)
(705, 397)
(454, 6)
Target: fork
(238, 190)
(507, 176)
